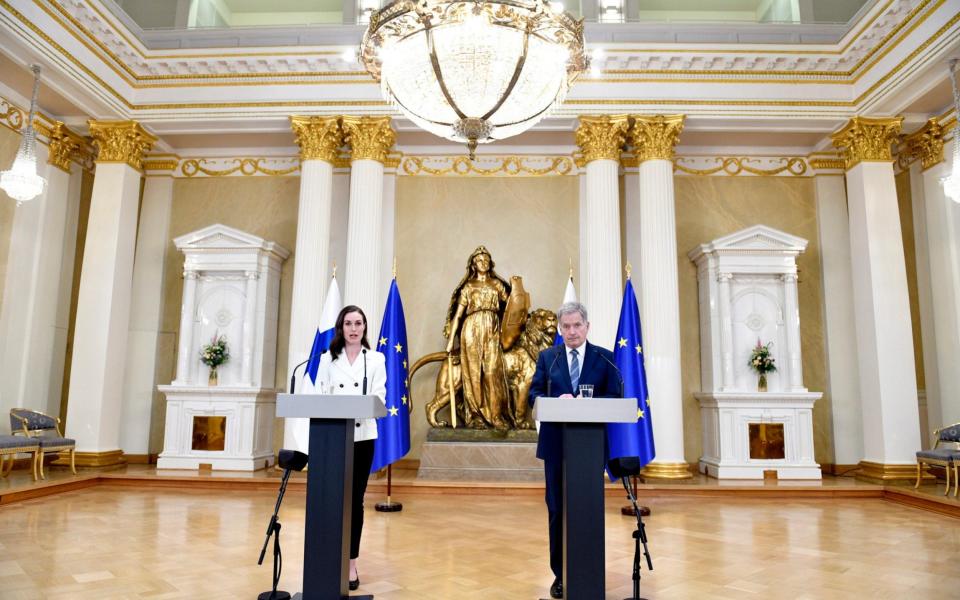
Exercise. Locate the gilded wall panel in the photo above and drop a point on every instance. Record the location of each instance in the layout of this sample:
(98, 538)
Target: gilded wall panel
(263, 206)
(710, 207)
(529, 224)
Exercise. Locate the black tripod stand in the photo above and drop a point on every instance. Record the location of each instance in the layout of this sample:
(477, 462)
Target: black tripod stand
(289, 460)
(639, 537)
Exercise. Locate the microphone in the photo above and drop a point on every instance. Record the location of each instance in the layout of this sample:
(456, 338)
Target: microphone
(550, 370)
(364, 371)
(293, 374)
(616, 370)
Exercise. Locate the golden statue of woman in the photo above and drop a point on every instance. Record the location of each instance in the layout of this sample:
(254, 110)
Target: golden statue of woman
(474, 316)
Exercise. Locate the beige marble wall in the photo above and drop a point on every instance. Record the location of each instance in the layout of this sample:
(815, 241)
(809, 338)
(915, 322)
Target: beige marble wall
(9, 142)
(710, 207)
(530, 225)
(263, 206)
(905, 203)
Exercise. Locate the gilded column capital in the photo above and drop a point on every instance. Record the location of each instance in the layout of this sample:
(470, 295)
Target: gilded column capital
(927, 144)
(369, 137)
(867, 139)
(319, 138)
(121, 141)
(655, 137)
(602, 137)
(64, 145)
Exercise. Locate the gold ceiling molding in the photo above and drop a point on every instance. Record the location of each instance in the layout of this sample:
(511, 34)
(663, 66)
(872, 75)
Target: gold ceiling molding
(121, 142)
(369, 138)
(319, 138)
(193, 167)
(867, 139)
(602, 137)
(741, 165)
(655, 137)
(487, 166)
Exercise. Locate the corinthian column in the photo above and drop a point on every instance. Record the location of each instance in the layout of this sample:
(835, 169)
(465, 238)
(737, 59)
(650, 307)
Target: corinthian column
(600, 140)
(888, 385)
(36, 298)
(654, 139)
(370, 139)
(103, 305)
(319, 139)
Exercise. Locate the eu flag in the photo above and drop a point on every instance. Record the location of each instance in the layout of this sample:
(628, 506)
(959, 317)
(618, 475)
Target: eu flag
(631, 439)
(393, 430)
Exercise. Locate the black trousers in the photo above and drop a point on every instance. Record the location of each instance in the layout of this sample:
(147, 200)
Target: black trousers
(362, 460)
(553, 474)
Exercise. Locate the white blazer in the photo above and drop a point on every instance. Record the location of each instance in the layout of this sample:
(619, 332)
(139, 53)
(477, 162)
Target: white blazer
(342, 378)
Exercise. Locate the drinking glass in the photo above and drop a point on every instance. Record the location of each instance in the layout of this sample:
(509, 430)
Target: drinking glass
(586, 391)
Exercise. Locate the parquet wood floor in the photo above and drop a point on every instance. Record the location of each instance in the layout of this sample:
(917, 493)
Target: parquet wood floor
(110, 542)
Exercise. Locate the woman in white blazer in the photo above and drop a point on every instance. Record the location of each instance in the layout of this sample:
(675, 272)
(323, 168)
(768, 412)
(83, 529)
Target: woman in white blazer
(350, 367)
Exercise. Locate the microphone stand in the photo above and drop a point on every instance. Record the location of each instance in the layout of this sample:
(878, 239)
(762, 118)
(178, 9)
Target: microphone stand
(274, 529)
(639, 537)
(293, 374)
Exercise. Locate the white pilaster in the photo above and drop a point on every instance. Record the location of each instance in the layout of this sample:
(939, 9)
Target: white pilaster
(146, 308)
(726, 332)
(840, 336)
(660, 307)
(888, 385)
(185, 352)
(942, 219)
(792, 324)
(603, 293)
(103, 311)
(364, 236)
(249, 327)
(38, 281)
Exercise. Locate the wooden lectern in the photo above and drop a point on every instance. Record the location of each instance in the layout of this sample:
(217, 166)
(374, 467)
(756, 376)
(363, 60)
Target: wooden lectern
(326, 540)
(584, 422)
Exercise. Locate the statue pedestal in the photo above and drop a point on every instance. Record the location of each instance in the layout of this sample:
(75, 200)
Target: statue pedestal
(480, 455)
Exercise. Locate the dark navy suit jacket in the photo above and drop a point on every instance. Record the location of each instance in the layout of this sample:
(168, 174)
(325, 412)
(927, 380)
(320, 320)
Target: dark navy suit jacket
(552, 367)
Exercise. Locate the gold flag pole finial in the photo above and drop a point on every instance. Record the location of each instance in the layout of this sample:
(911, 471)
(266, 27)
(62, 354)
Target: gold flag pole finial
(394, 267)
(334, 269)
(629, 270)
(571, 268)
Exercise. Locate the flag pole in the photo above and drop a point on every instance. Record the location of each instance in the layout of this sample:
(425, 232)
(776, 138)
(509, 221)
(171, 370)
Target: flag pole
(389, 505)
(627, 510)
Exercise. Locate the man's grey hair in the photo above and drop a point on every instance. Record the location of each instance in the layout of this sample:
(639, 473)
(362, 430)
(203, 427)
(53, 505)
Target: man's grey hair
(568, 308)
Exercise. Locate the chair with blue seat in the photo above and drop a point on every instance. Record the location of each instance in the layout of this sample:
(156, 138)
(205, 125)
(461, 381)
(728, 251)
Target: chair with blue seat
(45, 430)
(945, 453)
(11, 446)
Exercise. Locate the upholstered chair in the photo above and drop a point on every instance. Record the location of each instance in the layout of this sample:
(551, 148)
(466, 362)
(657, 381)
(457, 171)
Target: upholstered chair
(46, 431)
(11, 446)
(945, 453)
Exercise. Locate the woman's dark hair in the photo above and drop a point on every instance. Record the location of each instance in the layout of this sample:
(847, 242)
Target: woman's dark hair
(338, 342)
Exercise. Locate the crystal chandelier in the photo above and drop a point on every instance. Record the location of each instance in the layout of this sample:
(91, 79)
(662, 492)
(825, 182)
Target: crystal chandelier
(951, 183)
(474, 71)
(21, 182)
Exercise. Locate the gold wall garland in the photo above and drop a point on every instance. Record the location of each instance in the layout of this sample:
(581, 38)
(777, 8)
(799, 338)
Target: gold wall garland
(515, 166)
(244, 166)
(733, 165)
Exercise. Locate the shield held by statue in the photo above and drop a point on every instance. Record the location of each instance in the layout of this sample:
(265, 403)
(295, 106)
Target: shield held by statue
(515, 313)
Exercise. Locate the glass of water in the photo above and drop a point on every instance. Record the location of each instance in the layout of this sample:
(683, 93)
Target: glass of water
(586, 391)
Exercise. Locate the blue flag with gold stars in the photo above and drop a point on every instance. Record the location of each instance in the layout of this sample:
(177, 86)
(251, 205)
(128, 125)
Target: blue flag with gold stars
(393, 430)
(631, 439)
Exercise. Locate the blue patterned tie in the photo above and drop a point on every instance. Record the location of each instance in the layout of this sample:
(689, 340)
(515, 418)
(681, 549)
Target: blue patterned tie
(574, 369)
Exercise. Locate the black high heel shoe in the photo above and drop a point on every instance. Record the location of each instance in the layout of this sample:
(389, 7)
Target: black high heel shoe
(354, 583)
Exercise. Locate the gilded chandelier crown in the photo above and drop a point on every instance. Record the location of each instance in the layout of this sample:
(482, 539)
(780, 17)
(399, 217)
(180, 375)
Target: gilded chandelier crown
(474, 71)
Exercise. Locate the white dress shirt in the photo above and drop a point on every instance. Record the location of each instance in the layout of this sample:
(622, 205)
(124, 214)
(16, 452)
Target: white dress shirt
(342, 378)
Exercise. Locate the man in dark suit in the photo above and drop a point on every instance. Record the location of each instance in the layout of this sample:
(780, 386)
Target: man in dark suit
(560, 372)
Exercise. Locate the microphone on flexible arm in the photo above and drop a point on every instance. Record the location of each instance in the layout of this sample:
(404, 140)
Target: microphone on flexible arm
(364, 371)
(616, 369)
(293, 374)
(550, 370)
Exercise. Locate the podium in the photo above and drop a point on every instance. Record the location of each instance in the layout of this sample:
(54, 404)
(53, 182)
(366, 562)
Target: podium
(583, 422)
(326, 540)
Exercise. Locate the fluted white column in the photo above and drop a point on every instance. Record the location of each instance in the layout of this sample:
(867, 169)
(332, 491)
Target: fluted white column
(103, 305)
(319, 139)
(249, 327)
(146, 310)
(39, 277)
(726, 332)
(792, 324)
(888, 382)
(840, 336)
(654, 139)
(601, 139)
(370, 139)
(942, 219)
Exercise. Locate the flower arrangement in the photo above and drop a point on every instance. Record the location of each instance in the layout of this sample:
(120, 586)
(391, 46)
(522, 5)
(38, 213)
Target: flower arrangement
(215, 354)
(762, 361)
